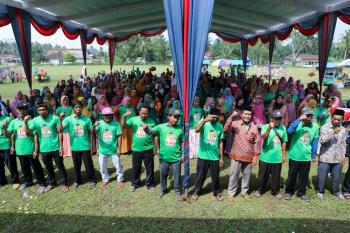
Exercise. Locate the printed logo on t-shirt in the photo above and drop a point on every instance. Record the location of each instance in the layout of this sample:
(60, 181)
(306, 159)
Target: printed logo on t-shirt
(78, 130)
(45, 131)
(21, 133)
(196, 116)
(304, 140)
(276, 140)
(140, 133)
(107, 136)
(170, 139)
(211, 137)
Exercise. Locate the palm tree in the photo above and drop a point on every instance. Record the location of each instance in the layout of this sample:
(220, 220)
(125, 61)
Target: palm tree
(345, 43)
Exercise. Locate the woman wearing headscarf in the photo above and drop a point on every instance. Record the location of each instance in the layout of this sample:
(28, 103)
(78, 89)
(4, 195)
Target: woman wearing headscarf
(258, 107)
(17, 98)
(229, 99)
(176, 105)
(118, 91)
(278, 104)
(304, 103)
(292, 113)
(67, 110)
(119, 111)
(101, 104)
(209, 104)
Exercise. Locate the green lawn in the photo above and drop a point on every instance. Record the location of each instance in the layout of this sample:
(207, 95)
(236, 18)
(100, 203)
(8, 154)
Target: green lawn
(113, 209)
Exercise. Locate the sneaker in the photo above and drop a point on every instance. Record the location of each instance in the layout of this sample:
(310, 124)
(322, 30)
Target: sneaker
(230, 198)
(23, 186)
(161, 194)
(319, 195)
(278, 196)
(75, 185)
(151, 189)
(246, 197)
(288, 196)
(257, 194)
(120, 184)
(41, 189)
(305, 198)
(346, 195)
(15, 186)
(194, 197)
(179, 197)
(92, 185)
(132, 189)
(219, 197)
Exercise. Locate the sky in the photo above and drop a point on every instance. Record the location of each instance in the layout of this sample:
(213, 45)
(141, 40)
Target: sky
(59, 38)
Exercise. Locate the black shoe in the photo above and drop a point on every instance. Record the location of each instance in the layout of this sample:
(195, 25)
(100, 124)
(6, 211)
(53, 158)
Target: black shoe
(305, 198)
(288, 196)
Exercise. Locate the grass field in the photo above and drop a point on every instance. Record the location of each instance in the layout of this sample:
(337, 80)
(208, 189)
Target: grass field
(112, 209)
(117, 210)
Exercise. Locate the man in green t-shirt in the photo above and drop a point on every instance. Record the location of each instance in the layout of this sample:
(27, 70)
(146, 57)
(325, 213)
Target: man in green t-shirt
(142, 147)
(45, 129)
(210, 154)
(6, 157)
(79, 130)
(169, 140)
(109, 134)
(272, 155)
(26, 148)
(302, 151)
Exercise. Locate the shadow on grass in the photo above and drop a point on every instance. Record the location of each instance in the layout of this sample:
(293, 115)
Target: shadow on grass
(14, 222)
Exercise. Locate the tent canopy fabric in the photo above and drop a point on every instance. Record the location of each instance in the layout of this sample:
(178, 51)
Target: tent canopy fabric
(235, 19)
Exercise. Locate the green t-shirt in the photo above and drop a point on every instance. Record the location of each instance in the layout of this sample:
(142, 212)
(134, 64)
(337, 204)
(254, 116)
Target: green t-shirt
(5, 142)
(68, 111)
(46, 129)
(108, 137)
(196, 116)
(122, 111)
(79, 129)
(210, 136)
(24, 144)
(170, 141)
(141, 141)
(271, 151)
(324, 115)
(300, 149)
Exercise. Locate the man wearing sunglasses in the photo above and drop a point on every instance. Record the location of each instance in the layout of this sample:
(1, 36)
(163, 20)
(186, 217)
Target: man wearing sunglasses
(303, 150)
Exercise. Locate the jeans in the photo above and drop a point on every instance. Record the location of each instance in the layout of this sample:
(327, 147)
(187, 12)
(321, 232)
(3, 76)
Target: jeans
(10, 161)
(346, 184)
(301, 169)
(202, 169)
(27, 161)
(265, 170)
(78, 158)
(236, 167)
(103, 161)
(47, 158)
(164, 168)
(322, 173)
(148, 159)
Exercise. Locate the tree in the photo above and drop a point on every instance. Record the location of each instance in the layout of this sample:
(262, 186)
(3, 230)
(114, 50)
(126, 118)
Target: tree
(344, 44)
(68, 57)
(38, 54)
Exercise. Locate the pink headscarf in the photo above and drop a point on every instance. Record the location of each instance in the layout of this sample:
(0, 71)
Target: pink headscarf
(292, 114)
(259, 112)
(61, 101)
(14, 103)
(125, 100)
(99, 105)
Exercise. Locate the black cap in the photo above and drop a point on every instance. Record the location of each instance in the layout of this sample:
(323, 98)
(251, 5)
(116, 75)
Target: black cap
(22, 105)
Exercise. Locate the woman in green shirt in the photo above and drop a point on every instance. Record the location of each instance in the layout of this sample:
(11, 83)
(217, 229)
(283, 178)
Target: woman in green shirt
(67, 110)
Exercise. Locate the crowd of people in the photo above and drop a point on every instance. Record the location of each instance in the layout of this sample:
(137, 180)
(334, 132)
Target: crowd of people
(245, 118)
